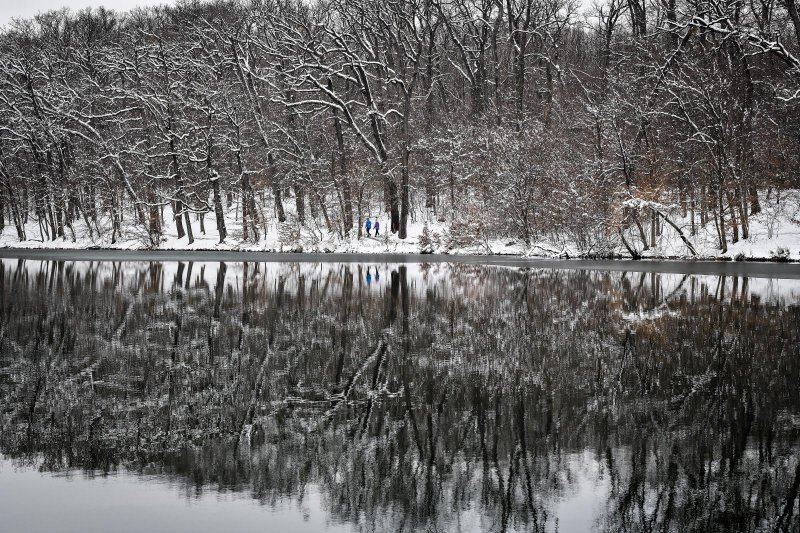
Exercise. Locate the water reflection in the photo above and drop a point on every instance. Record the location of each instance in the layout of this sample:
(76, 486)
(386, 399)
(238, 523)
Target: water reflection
(440, 397)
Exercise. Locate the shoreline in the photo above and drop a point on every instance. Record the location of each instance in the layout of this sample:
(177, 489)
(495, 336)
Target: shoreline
(717, 267)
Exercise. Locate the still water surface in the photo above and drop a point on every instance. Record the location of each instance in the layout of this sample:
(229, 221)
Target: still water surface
(300, 396)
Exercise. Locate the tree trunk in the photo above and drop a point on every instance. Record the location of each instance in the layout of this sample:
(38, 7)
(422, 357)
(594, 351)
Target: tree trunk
(218, 211)
(723, 239)
(734, 222)
(300, 203)
(404, 201)
(154, 227)
(703, 206)
(324, 209)
(394, 209)
(743, 217)
(187, 218)
(213, 177)
(755, 205)
(344, 181)
(653, 224)
(638, 17)
(642, 234)
(791, 8)
(178, 207)
(276, 189)
(404, 170)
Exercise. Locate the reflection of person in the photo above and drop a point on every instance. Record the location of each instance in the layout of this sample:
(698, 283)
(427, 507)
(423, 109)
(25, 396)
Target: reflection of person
(369, 277)
(377, 275)
(377, 226)
(368, 225)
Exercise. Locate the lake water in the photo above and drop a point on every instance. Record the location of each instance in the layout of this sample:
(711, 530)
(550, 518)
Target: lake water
(319, 396)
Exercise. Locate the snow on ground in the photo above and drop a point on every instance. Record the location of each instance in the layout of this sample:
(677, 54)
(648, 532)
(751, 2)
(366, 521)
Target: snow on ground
(313, 238)
(774, 231)
(776, 227)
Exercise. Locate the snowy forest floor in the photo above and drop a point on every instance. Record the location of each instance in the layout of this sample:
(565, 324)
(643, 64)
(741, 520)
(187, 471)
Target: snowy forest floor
(774, 235)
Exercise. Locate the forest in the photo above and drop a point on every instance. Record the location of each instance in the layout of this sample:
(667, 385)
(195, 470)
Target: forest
(601, 124)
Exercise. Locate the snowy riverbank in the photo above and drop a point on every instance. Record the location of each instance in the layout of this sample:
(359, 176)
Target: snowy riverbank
(774, 235)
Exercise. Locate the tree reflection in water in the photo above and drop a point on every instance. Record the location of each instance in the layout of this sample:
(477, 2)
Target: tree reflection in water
(441, 393)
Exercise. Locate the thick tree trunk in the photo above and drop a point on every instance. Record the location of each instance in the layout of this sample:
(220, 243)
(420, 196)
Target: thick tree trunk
(723, 238)
(176, 215)
(188, 220)
(404, 170)
(360, 226)
(249, 214)
(219, 213)
(213, 177)
(394, 209)
(347, 196)
(51, 221)
(755, 205)
(313, 206)
(154, 226)
(497, 66)
(300, 203)
(638, 17)
(115, 219)
(672, 18)
(177, 211)
(743, 217)
(734, 222)
(429, 65)
(277, 193)
(245, 219)
(58, 209)
(344, 180)
(404, 201)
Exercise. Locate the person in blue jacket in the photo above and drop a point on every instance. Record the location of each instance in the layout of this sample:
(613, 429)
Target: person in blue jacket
(368, 225)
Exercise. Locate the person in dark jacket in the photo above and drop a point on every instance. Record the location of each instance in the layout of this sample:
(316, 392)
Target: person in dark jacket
(368, 225)
(377, 226)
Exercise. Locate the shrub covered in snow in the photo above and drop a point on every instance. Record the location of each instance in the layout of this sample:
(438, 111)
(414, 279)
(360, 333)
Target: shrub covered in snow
(780, 254)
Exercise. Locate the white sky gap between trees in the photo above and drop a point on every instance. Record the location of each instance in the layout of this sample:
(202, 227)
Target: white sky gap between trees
(10, 9)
